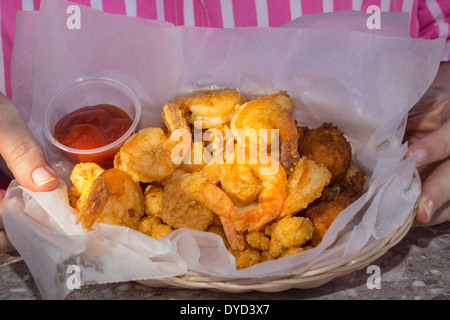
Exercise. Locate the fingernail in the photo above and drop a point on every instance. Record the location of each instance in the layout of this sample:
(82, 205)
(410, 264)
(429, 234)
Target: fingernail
(42, 176)
(421, 156)
(429, 208)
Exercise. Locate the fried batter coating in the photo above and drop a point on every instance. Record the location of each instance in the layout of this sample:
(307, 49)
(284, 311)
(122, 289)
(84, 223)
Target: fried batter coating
(82, 177)
(305, 185)
(153, 227)
(270, 200)
(114, 198)
(258, 240)
(335, 199)
(179, 207)
(153, 198)
(289, 232)
(292, 251)
(240, 183)
(149, 155)
(271, 112)
(212, 107)
(247, 258)
(327, 145)
(190, 201)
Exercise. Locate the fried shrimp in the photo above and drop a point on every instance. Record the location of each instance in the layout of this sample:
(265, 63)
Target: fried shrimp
(114, 198)
(190, 201)
(271, 112)
(149, 155)
(305, 185)
(288, 233)
(212, 107)
(270, 200)
(240, 183)
(82, 177)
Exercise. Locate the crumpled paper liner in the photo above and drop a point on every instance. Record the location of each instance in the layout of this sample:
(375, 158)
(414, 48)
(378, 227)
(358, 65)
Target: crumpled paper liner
(361, 81)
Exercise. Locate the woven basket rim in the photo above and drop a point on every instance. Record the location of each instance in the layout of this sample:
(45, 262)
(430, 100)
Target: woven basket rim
(314, 276)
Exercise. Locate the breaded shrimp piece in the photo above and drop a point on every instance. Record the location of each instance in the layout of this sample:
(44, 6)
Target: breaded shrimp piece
(149, 155)
(212, 107)
(114, 198)
(305, 185)
(153, 227)
(246, 258)
(271, 112)
(191, 201)
(258, 240)
(153, 199)
(240, 183)
(212, 102)
(82, 177)
(289, 232)
(270, 200)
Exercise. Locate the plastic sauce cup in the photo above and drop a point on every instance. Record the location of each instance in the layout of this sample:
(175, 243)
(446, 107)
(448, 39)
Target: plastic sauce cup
(88, 91)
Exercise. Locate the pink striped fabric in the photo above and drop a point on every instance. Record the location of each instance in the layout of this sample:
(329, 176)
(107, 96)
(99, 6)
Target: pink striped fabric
(428, 18)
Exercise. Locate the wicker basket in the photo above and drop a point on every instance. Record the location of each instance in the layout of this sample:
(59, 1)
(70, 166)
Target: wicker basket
(315, 276)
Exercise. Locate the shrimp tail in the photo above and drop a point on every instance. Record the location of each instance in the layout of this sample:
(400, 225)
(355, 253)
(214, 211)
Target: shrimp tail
(235, 239)
(253, 220)
(173, 117)
(94, 204)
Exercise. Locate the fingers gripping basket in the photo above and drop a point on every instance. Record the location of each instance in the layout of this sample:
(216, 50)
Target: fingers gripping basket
(315, 276)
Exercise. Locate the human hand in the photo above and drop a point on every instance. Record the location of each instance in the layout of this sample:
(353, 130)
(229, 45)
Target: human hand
(24, 157)
(428, 131)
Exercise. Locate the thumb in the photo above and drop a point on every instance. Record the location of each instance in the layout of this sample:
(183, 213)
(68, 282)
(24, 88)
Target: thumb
(22, 153)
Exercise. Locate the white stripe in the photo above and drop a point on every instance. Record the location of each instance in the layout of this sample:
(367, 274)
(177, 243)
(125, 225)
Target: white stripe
(385, 5)
(446, 55)
(130, 8)
(160, 10)
(439, 17)
(188, 13)
(27, 5)
(327, 6)
(296, 9)
(262, 16)
(97, 4)
(226, 7)
(356, 5)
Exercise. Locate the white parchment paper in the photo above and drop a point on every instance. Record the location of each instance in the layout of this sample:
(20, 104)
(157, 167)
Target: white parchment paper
(365, 82)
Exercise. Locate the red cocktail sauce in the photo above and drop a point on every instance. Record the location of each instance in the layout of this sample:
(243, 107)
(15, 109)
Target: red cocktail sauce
(93, 127)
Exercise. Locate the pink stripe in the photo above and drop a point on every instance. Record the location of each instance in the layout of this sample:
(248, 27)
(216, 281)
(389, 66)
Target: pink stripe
(114, 6)
(427, 28)
(37, 4)
(424, 15)
(244, 12)
(396, 6)
(279, 12)
(200, 18)
(367, 3)
(311, 6)
(173, 11)
(8, 16)
(86, 3)
(342, 5)
(445, 7)
(210, 13)
(146, 9)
